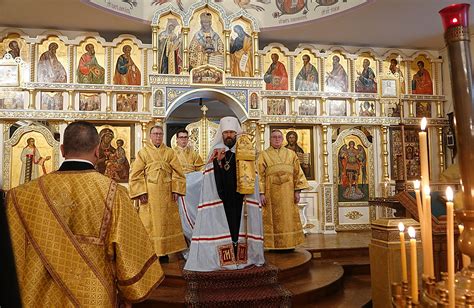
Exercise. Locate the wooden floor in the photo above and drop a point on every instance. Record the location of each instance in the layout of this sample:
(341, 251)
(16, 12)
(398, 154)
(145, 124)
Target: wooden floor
(347, 251)
(350, 250)
(341, 240)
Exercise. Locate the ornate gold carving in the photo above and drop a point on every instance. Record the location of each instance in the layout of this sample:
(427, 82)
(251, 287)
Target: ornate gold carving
(384, 130)
(440, 149)
(185, 50)
(353, 215)
(32, 99)
(154, 43)
(77, 115)
(324, 133)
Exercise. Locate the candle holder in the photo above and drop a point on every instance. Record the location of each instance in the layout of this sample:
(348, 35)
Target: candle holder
(456, 24)
(436, 294)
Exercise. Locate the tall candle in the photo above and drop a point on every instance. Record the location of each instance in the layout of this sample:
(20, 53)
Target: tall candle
(466, 260)
(421, 218)
(425, 173)
(403, 252)
(428, 230)
(413, 266)
(450, 240)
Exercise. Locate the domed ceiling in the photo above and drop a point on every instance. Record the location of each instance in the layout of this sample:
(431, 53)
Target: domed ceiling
(269, 13)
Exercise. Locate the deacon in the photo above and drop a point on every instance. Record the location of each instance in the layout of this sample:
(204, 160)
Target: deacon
(280, 179)
(190, 160)
(156, 180)
(192, 164)
(70, 228)
(228, 229)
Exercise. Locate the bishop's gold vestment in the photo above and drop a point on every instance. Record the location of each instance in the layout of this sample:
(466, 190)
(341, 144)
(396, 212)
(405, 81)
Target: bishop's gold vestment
(190, 160)
(158, 173)
(280, 175)
(78, 242)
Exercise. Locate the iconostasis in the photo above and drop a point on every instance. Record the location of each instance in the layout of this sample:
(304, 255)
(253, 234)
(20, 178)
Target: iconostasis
(345, 110)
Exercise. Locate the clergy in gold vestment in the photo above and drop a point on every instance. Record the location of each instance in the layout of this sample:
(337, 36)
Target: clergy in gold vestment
(190, 160)
(76, 238)
(281, 180)
(156, 179)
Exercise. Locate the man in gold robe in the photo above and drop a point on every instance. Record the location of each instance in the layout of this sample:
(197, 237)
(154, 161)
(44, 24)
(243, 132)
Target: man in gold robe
(76, 238)
(156, 180)
(190, 160)
(280, 180)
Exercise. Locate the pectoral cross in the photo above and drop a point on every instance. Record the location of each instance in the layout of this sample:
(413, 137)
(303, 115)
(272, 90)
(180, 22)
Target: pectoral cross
(204, 109)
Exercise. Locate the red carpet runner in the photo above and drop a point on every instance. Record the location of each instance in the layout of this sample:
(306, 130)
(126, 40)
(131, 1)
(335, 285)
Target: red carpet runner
(250, 287)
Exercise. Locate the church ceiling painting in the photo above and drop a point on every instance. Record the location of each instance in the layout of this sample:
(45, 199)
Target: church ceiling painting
(270, 13)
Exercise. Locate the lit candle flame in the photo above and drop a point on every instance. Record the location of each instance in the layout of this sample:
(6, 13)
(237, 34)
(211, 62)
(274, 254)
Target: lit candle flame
(426, 190)
(449, 194)
(461, 228)
(401, 226)
(411, 232)
(424, 122)
(416, 184)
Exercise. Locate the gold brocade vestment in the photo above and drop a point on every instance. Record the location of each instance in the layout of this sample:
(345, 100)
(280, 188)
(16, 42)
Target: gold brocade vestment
(190, 160)
(78, 242)
(158, 173)
(280, 175)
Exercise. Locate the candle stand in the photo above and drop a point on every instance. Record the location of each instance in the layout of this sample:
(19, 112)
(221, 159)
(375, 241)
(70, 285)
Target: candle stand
(432, 293)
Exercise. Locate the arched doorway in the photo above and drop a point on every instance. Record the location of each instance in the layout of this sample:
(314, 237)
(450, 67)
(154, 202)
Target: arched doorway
(187, 109)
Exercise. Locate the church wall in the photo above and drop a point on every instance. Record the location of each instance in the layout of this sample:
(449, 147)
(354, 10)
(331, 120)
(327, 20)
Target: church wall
(320, 112)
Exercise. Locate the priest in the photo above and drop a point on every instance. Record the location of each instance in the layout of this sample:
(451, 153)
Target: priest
(156, 181)
(280, 179)
(192, 165)
(76, 238)
(190, 160)
(228, 229)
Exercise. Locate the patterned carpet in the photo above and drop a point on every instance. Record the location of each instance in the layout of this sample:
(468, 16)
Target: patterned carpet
(250, 287)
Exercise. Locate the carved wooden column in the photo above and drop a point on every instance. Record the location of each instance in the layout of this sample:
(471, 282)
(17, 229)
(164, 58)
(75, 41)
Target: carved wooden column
(440, 149)
(32, 100)
(145, 67)
(256, 59)
(353, 107)
(146, 101)
(108, 69)
(411, 114)
(70, 105)
(434, 77)
(185, 50)
(292, 105)
(322, 73)
(408, 77)
(144, 133)
(33, 62)
(383, 112)
(71, 49)
(384, 134)
(353, 74)
(154, 42)
(439, 109)
(109, 105)
(325, 153)
(261, 128)
(227, 51)
(323, 106)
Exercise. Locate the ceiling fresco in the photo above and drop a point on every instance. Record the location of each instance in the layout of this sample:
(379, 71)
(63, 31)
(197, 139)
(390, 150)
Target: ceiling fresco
(269, 13)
